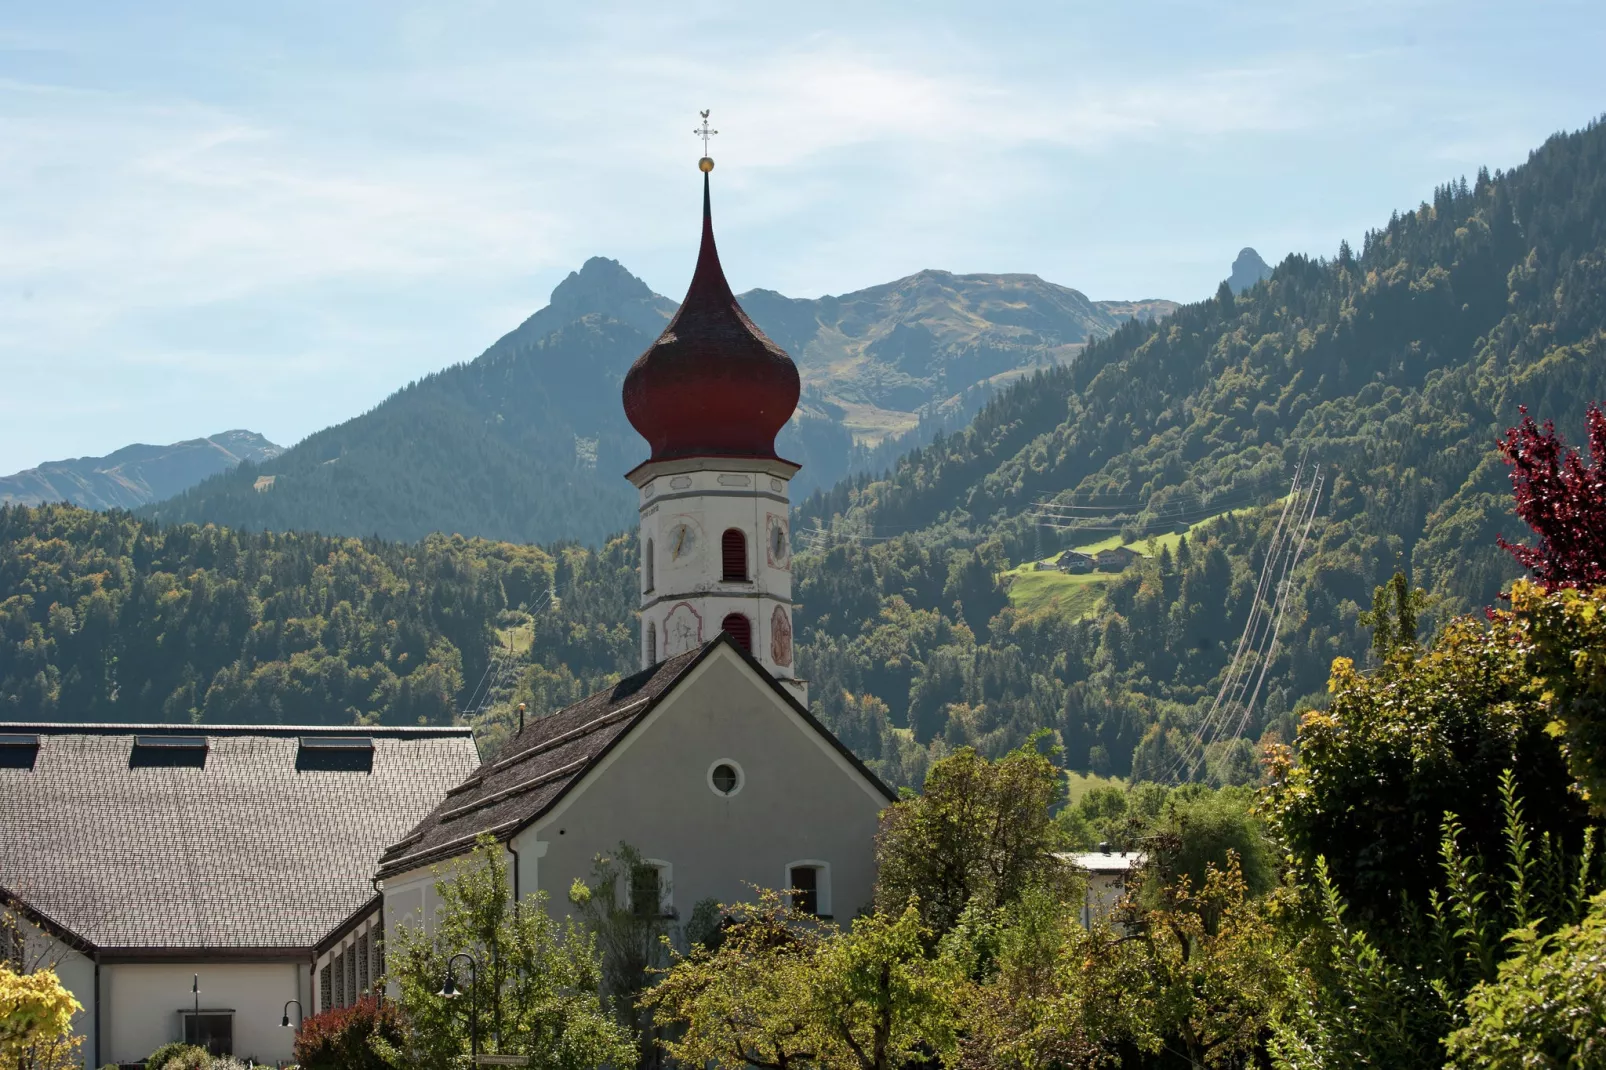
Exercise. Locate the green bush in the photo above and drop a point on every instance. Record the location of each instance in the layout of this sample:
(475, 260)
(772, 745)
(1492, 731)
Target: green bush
(179, 1055)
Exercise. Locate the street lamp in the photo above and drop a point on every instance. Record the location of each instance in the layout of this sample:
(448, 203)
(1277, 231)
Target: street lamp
(195, 1020)
(449, 990)
(284, 1023)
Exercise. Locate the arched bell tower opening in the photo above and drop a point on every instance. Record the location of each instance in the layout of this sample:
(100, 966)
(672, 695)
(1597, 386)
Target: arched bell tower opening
(709, 396)
(733, 556)
(740, 629)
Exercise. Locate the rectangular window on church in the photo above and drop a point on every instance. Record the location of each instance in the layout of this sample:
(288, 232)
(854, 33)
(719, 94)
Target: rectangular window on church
(340, 979)
(352, 991)
(326, 988)
(363, 962)
(646, 892)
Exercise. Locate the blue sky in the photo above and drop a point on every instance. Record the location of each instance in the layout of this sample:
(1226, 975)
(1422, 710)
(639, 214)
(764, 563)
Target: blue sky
(272, 215)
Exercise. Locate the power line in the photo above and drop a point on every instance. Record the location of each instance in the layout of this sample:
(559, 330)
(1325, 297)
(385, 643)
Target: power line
(1257, 645)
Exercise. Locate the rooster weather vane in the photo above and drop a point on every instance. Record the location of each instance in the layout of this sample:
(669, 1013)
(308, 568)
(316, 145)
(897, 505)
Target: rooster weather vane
(705, 132)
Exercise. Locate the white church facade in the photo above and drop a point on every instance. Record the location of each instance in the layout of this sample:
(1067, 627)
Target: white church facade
(707, 761)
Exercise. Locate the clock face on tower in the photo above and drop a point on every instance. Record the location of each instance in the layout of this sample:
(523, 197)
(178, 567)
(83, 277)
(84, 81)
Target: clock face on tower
(778, 545)
(682, 542)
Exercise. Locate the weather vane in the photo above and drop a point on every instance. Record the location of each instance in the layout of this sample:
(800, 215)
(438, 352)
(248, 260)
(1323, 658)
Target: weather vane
(707, 162)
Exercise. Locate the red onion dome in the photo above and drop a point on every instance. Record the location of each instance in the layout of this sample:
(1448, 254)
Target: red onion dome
(712, 385)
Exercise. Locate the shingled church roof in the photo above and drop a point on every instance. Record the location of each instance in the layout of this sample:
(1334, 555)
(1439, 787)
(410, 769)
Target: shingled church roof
(537, 767)
(158, 837)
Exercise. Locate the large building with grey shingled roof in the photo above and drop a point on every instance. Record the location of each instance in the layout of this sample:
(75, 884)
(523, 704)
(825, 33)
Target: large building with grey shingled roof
(140, 858)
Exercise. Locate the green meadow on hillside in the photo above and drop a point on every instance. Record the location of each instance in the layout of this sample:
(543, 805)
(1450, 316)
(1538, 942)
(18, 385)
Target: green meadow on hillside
(1049, 591)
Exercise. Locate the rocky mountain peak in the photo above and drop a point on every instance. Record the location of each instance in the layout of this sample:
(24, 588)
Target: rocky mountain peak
(1247, 270)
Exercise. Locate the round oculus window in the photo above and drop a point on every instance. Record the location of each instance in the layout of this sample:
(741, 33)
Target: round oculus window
(725, 777)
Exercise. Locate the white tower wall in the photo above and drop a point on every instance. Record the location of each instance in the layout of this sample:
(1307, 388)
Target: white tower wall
(687, 507)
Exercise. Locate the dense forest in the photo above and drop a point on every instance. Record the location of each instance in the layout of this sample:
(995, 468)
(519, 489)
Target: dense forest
(106, 617)
(1394, 369)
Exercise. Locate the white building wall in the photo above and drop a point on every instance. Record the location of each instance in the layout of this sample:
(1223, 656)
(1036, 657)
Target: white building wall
(800, 802)
(686, 508)
(143, 1001)
(75, 971)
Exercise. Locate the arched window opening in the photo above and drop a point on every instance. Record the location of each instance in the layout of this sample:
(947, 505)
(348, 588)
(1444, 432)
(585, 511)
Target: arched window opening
(734, 551)
(741, 630)
(652, 643)
(646, 569)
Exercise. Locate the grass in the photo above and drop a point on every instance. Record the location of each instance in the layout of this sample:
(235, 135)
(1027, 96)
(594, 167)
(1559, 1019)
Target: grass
(1055, 592)
(1051, 591)
(1079, 784)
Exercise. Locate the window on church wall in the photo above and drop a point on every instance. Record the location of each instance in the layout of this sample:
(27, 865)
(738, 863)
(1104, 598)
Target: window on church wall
(646, 569)
(352, 991)
(741, 630)
(650, 889)
(339, 965)
(652, 643)
(810, 887)
(326, 988)
(363, 963)
(733, 553)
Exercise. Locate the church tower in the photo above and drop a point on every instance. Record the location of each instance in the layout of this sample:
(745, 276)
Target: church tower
(709, 396)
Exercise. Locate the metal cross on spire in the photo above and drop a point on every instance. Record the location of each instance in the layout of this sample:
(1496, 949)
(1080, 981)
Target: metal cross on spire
(704, 132)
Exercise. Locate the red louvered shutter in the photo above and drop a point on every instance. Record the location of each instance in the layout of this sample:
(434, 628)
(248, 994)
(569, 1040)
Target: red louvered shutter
(741, 630)
(734, 549)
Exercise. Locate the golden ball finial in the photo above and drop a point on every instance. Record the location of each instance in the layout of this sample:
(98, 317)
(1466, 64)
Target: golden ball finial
(706, 164)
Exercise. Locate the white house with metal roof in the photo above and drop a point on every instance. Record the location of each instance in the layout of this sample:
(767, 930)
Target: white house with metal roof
(149, 861)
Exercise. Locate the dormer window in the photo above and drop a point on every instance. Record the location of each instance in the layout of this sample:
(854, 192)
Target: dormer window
(18, 751)
(335, 754)
(168, 752)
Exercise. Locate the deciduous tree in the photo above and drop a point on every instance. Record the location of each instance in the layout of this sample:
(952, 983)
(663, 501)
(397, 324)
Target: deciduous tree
(535, 985)
(979, 832)
(1562, 499)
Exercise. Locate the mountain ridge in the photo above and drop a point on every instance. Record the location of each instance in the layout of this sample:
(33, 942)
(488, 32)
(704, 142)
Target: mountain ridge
(536, 415)
(136, 474)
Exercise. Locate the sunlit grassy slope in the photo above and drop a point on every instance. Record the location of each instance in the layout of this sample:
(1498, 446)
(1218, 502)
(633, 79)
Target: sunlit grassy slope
(1061, 593)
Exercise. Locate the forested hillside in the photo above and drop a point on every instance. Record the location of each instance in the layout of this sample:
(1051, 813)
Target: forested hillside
(1394, 367)
(104, 617)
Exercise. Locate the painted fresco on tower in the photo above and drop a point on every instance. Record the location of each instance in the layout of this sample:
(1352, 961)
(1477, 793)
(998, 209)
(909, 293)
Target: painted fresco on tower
(780, 637)
(683, 629)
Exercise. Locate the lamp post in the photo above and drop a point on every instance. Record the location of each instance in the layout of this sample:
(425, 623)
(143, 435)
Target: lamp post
(195, 1020)
(449, 990)
(284, 1023)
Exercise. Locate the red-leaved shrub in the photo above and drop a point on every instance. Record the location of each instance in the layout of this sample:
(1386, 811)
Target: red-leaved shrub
(338, 1039)
(1562, 499)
